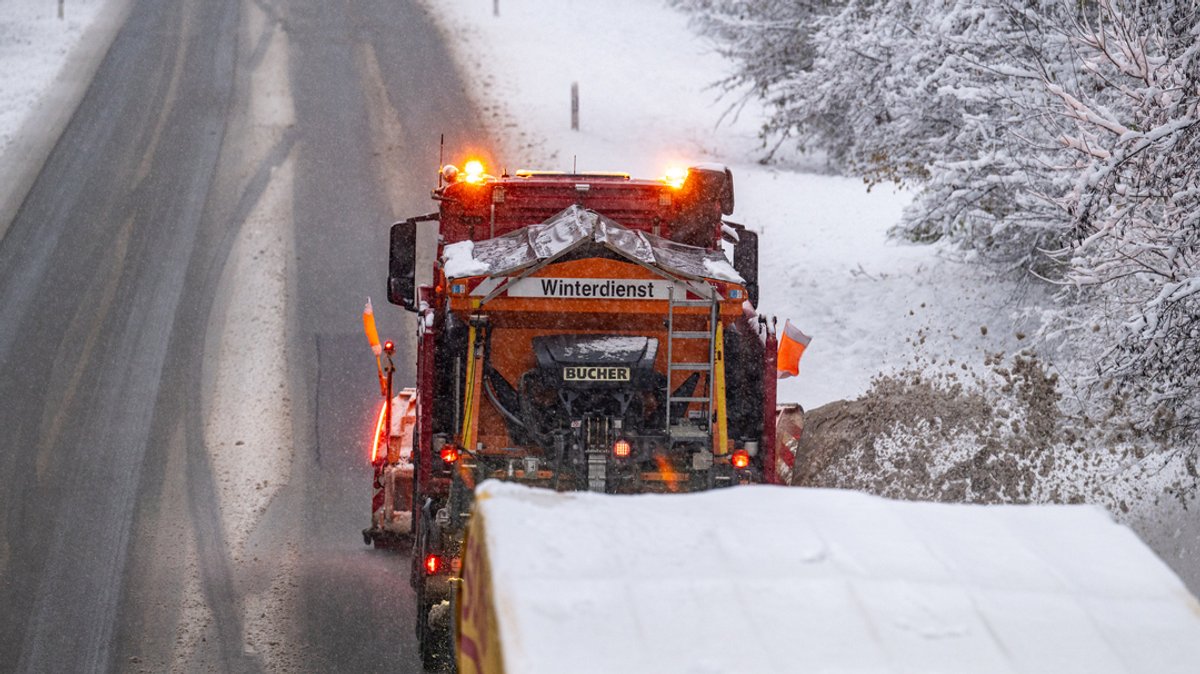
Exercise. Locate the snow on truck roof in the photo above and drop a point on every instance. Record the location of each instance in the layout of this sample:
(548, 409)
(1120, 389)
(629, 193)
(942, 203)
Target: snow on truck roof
(571, 227)
(778, 579)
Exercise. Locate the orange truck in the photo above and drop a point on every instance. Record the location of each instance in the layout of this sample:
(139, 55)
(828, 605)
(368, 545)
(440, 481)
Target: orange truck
(581, 332)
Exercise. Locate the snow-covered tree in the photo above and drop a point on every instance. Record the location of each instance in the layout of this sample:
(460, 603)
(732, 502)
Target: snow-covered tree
(772, 43)
(1133, 207)
(906, 92)
(1058, 137)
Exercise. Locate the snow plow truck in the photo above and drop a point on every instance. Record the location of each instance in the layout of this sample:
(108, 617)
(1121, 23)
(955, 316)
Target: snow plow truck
(581, 332)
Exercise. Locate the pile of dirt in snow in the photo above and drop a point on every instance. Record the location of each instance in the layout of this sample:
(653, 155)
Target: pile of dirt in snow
(997, 434)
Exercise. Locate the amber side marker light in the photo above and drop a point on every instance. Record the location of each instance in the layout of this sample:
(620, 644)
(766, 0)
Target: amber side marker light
(377, 440)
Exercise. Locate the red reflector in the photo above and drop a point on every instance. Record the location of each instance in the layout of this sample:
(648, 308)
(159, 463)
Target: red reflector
(449, 454)
(433, 564)
(622, 449)
(740, 458)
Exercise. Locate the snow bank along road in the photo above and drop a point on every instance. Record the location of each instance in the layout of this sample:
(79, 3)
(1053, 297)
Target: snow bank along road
(48, 64)
(184, 392)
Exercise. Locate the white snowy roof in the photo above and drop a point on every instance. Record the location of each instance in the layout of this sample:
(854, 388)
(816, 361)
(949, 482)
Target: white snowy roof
(776, 579)
(571, 227)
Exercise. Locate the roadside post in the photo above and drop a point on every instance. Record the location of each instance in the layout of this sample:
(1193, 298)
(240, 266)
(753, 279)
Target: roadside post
(574, 106)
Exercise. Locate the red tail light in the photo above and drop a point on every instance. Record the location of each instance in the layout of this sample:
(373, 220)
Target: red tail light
(740, 459)
(433, 564)
(449, 453)
(622, 448)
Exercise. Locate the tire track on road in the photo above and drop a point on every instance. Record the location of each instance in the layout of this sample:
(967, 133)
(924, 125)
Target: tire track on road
(101, 487)
(214, 513)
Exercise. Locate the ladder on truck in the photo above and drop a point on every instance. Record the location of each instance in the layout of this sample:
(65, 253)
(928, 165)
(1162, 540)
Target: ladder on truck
(681, 430)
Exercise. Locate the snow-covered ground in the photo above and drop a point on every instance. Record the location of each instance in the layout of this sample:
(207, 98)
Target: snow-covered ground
(34, 45)
(647, 102)
(46, 64)
(836, 581)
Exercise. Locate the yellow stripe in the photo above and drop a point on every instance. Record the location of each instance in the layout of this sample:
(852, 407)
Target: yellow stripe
(469, 391)
(721, 442)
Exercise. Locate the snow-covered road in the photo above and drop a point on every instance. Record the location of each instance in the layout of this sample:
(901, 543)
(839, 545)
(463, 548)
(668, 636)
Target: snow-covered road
(187, 395)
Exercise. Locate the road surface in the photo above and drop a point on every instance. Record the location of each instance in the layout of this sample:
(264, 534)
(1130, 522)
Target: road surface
(186, 394)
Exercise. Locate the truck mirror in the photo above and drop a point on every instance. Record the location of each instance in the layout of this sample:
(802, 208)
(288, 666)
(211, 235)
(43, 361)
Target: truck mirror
(727, 199)
(402, 265)
(745, 261)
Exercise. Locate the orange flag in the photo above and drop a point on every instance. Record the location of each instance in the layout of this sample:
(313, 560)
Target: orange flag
(791, 346)
(369, 328)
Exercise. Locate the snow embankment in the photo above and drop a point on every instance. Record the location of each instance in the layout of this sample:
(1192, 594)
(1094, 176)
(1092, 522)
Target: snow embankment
(767, 579)
(647, 102)
(34, 46)
(48, 63)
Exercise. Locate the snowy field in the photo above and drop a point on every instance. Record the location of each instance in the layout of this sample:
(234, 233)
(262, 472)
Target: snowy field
(646, 103)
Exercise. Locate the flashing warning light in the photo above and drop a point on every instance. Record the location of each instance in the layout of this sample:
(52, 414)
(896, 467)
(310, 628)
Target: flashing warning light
(433, 564)
(474, 171)
(378, 439)
(675, 176)
(389, 347)
(622, 448)
(740, 459)
(449, 454)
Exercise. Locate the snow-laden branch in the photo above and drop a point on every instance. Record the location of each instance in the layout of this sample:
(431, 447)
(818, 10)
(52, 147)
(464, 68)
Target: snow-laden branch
(1063, 138)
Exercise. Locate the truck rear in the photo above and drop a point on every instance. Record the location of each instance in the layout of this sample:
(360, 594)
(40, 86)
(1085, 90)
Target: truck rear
(581, 332)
